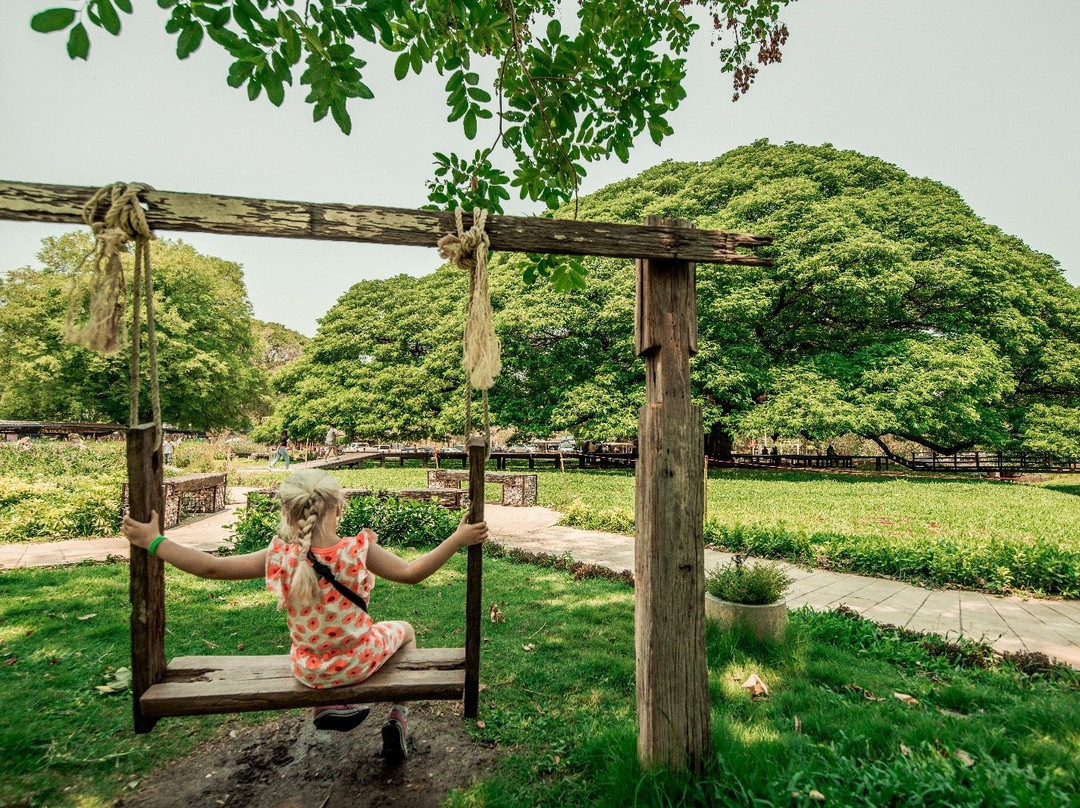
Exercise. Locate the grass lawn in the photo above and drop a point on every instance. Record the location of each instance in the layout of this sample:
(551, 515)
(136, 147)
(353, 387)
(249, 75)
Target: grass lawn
(562, 712)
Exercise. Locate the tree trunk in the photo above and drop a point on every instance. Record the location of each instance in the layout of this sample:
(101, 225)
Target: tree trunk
(719, 443)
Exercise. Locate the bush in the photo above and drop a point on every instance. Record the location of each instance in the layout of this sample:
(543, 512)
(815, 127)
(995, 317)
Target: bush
(753, 584)
(397, 522)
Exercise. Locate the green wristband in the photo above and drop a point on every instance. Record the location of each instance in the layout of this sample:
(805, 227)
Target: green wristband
(154, 544)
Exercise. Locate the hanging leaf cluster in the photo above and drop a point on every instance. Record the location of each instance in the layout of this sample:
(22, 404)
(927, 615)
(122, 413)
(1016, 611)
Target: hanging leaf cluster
(551, 94)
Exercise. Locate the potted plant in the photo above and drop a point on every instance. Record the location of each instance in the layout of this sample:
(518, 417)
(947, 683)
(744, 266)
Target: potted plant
(738, 593)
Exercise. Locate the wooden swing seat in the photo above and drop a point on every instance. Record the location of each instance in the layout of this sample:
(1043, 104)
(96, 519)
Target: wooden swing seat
(200, 685)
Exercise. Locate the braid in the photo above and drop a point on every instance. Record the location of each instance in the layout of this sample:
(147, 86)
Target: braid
(304, 587)
(305, 498)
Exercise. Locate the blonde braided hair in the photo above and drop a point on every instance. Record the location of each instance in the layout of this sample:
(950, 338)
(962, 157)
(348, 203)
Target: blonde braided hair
(306, 498)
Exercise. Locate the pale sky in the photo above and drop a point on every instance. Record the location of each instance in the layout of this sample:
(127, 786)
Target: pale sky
(982, 95)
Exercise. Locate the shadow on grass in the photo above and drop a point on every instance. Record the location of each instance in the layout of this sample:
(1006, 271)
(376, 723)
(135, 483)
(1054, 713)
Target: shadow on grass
(1065, 488)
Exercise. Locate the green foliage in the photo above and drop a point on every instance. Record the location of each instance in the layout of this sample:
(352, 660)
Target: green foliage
(209, 372)
(756, 584)
(59, 491)
(397, 522)
(553, 99)
(255, 525)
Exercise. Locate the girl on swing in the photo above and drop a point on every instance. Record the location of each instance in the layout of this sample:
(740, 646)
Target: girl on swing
(334, 640)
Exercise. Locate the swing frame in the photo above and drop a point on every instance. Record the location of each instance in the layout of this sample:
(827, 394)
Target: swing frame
(672, 681)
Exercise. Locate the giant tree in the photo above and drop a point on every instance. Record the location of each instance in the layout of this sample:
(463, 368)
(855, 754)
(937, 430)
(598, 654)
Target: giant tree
(211, 375)
(892, 309)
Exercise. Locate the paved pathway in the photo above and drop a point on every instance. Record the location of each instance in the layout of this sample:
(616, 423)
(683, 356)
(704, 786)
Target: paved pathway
(1007, 623)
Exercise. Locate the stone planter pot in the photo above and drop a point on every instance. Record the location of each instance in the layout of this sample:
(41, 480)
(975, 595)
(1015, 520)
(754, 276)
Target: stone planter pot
(768, 622)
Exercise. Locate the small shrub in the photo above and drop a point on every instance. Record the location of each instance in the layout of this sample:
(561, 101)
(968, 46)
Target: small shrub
(756, 584)
(397, 522)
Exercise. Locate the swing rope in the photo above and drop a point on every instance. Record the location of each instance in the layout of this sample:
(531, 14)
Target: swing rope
(103, 288)
(468, 250)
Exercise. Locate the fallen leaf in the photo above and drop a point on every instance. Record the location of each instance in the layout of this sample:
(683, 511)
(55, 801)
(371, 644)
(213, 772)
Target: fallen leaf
(911, 701)
(798, 726)
(905, 751)
(30, 633)
(528, 647)
(104, 689)
(210, 644)
(951, 713)
(964, 758)
(556, 760)
(755, 686)
(88, 616)
(816, 795)
(239, 646)
(481, 724)
(11, 660)
(866, 694)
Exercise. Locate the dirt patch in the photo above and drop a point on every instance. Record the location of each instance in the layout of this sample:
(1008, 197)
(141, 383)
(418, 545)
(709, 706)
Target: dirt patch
(287, 762)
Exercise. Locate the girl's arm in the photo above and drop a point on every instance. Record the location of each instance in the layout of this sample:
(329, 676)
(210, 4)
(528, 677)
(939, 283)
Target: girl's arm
(232, 568)
(387, 565)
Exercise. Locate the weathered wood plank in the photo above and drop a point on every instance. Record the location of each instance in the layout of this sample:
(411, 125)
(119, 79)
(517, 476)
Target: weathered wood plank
(226, 684)
(146, 573)
(211, 213)
(475, 577)
(669, 581)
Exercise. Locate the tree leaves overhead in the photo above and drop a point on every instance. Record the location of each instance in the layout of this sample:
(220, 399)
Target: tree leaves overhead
(553, 98)
(210, 373)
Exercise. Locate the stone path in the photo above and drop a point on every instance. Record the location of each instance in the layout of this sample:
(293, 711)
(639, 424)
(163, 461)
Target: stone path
(1007, 623)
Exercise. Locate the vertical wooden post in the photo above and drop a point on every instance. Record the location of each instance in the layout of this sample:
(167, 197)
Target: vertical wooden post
(669, 557)
(147, 573)
(474, 582)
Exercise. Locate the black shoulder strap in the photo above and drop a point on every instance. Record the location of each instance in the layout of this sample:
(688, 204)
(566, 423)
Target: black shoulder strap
(327, 575)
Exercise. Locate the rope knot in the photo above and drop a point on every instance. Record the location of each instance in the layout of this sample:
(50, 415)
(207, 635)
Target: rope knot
(467, 247)
(102, 290)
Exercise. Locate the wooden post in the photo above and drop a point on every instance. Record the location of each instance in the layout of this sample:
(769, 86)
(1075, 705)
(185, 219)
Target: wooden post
(474, 582)
(147, 573)
(669, 557)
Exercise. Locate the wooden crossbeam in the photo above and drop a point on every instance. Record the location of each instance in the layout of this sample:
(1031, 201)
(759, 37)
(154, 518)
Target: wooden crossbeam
(201, 685)
(211, 213)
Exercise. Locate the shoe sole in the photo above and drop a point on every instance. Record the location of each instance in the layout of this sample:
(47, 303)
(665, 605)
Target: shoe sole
(340, 722)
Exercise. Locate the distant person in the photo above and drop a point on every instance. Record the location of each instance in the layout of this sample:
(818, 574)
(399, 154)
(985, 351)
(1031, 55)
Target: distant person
(830, 453)
(168, 446)
(775, 453)
(282, 451)
(332, 435)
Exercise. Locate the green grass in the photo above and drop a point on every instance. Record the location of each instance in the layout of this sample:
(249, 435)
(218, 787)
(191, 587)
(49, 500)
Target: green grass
(562, 712)
(999, 537)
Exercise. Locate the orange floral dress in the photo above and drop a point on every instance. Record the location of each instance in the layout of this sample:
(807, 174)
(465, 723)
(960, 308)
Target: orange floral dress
(335, 642)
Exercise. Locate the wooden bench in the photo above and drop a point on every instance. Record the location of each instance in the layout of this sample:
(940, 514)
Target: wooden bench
(201, 685)
(192, 493)
(453, 499)
(518, 489)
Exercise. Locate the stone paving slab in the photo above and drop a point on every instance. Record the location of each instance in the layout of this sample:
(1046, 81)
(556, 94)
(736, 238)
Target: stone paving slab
(1007, 623)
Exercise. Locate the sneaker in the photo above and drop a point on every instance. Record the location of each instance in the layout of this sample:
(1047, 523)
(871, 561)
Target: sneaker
(395, 735)
(341, 717)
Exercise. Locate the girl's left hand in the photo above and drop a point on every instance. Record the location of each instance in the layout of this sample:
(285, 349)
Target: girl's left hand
(141, 534)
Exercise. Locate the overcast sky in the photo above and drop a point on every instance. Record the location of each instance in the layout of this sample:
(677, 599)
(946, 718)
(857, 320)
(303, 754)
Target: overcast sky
(983, 95)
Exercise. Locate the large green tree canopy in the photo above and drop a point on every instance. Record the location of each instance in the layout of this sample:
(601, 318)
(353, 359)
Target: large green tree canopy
(211, 372)
(892, 309)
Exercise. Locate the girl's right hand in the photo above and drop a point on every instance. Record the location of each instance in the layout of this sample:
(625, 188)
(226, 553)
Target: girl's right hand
(467, 535)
